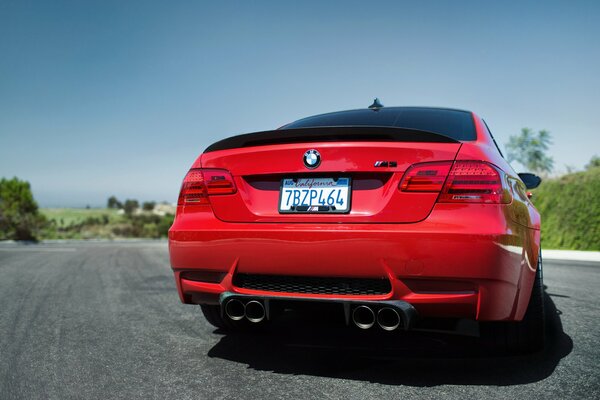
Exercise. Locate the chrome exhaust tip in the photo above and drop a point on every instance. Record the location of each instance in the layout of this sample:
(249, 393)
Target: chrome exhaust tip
(255, 311)
(235, 310)
(388, 318)
(363, 317)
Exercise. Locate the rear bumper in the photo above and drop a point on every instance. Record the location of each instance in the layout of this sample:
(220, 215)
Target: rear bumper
(466, 261)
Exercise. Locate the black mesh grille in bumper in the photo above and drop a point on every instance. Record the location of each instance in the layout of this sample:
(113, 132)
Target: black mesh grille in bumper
(313, 285)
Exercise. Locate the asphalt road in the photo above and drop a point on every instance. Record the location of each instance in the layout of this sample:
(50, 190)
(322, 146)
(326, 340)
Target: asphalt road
(103, 320)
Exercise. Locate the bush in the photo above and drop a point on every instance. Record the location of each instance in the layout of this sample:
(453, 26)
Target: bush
(148, 205)
(570, 208)
(19, 216)
(144, 226)
(130, 206)
(594, 163)
(113, 203)
(164, 224)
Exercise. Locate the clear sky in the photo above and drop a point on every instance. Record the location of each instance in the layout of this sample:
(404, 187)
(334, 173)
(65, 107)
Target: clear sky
(119, 97)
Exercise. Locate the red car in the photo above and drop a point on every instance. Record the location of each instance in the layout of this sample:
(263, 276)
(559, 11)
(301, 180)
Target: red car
(393, 216)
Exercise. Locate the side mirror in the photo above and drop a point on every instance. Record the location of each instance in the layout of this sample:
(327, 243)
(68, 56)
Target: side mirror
(531, 181)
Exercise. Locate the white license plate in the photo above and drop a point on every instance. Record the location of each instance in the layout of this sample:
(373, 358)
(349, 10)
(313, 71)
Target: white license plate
(315, 195)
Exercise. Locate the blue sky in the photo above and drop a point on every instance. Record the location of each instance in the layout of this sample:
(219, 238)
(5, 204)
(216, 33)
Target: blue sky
(119, 97)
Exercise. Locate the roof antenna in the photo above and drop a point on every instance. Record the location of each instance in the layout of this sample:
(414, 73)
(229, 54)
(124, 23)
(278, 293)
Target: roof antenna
(376, 105)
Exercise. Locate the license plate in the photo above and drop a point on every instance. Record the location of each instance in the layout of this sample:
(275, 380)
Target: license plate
(314, 195)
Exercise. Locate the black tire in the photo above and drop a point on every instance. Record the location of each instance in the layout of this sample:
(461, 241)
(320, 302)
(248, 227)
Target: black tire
(528, 335)
(212, 313)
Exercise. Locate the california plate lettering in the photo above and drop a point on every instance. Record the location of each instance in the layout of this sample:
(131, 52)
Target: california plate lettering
(315, 195)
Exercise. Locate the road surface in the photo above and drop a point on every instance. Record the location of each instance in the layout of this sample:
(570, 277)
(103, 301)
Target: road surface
(103, 320)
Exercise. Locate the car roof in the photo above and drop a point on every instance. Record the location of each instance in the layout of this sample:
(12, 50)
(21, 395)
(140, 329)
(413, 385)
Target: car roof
(393, 108)
(458, 124)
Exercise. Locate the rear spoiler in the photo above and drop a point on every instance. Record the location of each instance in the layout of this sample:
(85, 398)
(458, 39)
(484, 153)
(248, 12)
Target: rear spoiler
(330, 134)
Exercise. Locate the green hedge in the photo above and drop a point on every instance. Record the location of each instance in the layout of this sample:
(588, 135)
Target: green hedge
(570, 208)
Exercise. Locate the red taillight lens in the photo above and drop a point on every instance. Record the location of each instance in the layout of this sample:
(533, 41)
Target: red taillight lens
(193, 189)
(425, 177)
(218, 181)
(198, 184)
(459, 182)
(474, 182)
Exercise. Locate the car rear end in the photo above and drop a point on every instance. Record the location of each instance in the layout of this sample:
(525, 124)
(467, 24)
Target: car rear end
(392, 226)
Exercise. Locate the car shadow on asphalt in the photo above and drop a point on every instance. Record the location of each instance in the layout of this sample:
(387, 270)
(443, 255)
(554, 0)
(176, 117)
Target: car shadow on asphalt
(318, 348)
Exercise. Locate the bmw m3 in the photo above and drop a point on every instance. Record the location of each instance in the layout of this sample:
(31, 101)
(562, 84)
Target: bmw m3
(392, 216)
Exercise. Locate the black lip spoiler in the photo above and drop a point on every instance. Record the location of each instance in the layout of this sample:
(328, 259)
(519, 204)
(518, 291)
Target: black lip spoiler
(330, 134)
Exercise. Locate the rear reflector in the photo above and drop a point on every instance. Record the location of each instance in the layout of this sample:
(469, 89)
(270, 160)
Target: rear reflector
(474, 182)
(425, 177)
(198, 184)
(203, 276)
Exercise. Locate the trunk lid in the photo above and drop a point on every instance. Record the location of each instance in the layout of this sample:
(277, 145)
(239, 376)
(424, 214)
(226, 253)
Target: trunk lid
(258, 172)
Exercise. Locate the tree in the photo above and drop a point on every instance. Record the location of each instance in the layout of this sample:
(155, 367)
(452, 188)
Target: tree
(113, 203)
(19, 216)
(529, 149)
(148, 205)
(130, 206)
(570, 168)
(594, 163)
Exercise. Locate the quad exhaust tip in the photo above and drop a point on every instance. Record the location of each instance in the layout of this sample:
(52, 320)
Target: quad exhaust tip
(255, 311)
(388, 318)
(363, 317)
(235, 310)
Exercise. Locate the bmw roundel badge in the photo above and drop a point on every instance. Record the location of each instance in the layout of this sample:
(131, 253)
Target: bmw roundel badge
(312, 159)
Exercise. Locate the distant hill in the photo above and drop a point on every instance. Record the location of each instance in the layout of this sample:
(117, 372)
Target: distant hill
(570, 208)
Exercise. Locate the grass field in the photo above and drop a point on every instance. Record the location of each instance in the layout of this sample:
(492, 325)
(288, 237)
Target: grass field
(103, 223)
(72, 216)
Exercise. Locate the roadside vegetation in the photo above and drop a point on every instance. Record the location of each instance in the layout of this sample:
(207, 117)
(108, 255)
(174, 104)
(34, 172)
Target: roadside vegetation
(570, 208)
(569, 204)
(119, 220)
(22, 219)
(19, 215)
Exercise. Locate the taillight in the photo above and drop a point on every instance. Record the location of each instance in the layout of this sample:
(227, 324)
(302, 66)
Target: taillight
(425, 177)
(218, 181)
(198, 184)
(458, 182)
(474, 182)
(193, 189)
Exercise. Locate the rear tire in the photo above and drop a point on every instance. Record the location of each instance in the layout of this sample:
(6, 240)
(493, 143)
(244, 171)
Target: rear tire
(213, 315)
(528, 335)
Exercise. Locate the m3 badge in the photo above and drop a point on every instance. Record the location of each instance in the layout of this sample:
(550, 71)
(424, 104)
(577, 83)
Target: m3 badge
(386, 164)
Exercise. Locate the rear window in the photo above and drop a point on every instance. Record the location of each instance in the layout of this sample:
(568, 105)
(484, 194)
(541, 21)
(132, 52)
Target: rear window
(456, 124)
